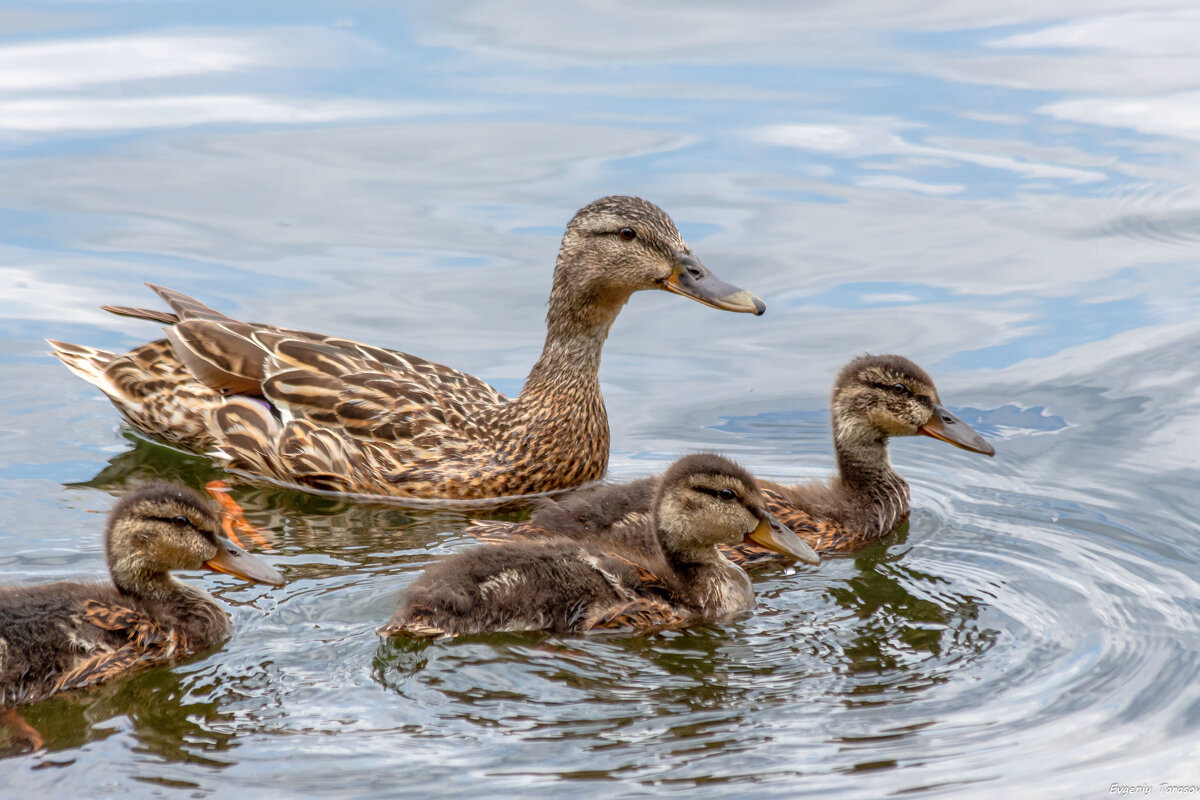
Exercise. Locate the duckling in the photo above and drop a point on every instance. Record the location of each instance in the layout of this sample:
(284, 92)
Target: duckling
(68, 635)
(875, 398)
(322, 413)
(661, 568)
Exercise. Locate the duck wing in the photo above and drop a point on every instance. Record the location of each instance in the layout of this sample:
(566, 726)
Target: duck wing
(146, 642)
(296, 406)
(239, 357)
(640, 613)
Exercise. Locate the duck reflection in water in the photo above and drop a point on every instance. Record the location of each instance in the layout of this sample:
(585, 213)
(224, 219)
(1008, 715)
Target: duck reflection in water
(168, 715)
(901, 639)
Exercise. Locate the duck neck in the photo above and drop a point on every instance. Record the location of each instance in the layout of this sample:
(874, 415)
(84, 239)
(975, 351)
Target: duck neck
(877, 493)
(705, 578)
(188, 610)
(153, 585)
(144, 584)
(577, 324)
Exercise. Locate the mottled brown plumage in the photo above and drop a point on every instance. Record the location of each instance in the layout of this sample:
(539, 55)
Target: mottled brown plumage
(331, 414)
(68, 635)
(650, 569)
(874, 398)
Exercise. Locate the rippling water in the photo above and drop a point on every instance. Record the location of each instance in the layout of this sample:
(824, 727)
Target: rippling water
(1005, 192)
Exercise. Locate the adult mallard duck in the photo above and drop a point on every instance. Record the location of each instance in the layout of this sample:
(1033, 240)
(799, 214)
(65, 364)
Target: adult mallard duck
(661, 568)
(330, 414)
(874, 399)
(68, 635)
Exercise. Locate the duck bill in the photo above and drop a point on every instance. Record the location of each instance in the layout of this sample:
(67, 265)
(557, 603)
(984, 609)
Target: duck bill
(233, 560)
(775, 536)
(692, 279)
(949, 428)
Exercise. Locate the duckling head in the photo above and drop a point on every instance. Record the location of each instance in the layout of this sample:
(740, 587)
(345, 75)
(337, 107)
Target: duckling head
(616, 246)
(879, 396)
(705, 500)
(161, 527)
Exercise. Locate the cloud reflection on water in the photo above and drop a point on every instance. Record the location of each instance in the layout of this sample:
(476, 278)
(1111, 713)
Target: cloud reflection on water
(1004, 191)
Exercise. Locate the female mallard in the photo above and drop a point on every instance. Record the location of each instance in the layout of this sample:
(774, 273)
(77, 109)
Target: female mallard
(650, 569)
(874, 398)
(68, 635)
(347, 417)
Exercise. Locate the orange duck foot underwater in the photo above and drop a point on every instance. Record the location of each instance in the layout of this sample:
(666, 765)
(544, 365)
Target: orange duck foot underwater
(875, 398)
(67, 635)
(330, 414)
(661, 568)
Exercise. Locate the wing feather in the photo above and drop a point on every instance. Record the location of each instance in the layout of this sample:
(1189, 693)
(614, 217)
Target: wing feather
(147, 642)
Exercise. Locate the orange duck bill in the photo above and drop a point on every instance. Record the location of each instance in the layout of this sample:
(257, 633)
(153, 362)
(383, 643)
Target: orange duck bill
(775, 536)
(233, 560)
(949, 428)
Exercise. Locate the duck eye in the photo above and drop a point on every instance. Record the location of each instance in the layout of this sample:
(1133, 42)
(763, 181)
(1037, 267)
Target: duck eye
(726, 494)
(900, 388)
(628, 234)
(181, 521)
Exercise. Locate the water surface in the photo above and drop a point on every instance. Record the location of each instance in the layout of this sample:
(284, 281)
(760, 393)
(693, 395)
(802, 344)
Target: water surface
(1005, 192)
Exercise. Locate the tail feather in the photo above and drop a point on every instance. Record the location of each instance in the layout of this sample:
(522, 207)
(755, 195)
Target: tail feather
(88, 363)
(150, 314)
(188, 307)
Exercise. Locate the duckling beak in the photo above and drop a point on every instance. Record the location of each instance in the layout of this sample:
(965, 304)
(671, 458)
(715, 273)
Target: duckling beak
(692, 279)
(774, 535)
(949, 428)
(233, 560)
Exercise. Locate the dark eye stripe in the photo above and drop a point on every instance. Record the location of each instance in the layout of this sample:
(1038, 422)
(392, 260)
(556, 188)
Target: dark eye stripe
(174, 522)
(891, 387)
(716, 492)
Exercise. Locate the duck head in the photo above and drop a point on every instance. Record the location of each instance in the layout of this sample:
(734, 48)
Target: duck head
(616, 246)
(705, 500)
(879, 396)
(161, 527)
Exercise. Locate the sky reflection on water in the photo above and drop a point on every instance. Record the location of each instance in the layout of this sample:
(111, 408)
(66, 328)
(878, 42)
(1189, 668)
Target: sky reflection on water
(1005, 192)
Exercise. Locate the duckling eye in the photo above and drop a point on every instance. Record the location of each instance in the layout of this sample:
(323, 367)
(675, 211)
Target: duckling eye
(628, 234)
(900, 388)
(727, 494)
(181, 521)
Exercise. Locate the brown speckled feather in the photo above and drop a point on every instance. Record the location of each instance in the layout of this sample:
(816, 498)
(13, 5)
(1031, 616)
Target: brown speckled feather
(638, 614)
(654, 569)
(71, 635)
(554, 585)
(874, 398)
(498, 532)
(148, 643)
(348, 424)
(350, 417)
(823, 535)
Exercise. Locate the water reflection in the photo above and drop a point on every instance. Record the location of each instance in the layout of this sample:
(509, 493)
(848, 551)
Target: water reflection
(1005, 192)
(903, 641)
(170, 717)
